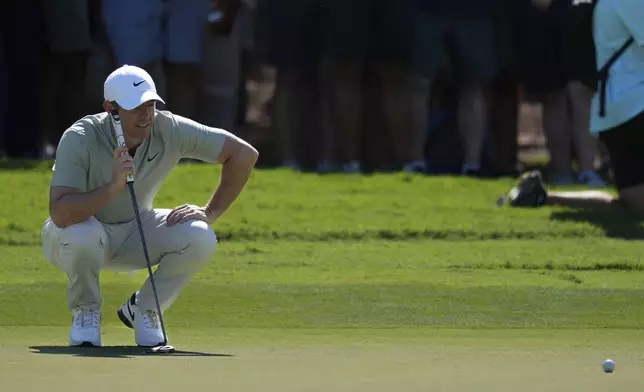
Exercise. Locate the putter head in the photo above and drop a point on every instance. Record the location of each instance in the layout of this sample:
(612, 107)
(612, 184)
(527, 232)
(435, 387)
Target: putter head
(163, 349)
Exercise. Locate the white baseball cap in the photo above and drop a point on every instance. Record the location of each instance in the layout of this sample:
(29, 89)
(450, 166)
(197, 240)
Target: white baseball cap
(130, 86)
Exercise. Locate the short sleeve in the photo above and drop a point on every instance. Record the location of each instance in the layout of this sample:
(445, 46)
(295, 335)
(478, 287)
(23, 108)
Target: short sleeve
(198, 141)
(71, 165)
(632, 14)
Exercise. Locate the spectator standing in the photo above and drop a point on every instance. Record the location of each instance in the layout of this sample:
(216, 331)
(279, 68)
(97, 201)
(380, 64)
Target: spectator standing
(503, 157)
(67, 50)
(164, 37)
(345, 52)
(391, 36)
(465, 28)
(21, 34)
(549, 77)
(317, 48)
(614, 31)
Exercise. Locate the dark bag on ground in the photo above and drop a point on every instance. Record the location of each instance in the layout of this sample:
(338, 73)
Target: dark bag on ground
(529, 191)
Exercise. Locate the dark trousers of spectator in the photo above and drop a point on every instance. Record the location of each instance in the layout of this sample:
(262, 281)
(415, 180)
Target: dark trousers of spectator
(377, 149)
(504, 109)
(504, 123)
(300, 115)
(20, 30)
(64, 97)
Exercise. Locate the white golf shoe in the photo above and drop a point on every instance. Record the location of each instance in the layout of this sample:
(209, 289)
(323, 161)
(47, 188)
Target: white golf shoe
(146, 324)
(86, 328)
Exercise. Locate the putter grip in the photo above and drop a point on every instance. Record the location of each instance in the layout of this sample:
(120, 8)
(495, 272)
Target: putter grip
(120, 139)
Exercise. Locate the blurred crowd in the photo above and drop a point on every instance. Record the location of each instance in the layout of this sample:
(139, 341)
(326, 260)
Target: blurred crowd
(428, 86)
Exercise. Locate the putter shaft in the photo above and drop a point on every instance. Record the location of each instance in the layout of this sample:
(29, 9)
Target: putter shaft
(130, 185)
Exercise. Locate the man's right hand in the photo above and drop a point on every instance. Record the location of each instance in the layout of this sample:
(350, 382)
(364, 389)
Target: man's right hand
(122, 167)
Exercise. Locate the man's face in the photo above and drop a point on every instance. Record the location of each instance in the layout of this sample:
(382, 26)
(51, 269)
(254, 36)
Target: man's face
(137, 123)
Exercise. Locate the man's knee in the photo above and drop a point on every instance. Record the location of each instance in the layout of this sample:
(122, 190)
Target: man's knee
(84, 243)
(202, 241)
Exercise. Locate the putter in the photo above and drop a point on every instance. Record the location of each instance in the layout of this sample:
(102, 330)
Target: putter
(165, 348)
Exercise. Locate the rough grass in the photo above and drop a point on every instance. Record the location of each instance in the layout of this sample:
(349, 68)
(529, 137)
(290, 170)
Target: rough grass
(336, 251)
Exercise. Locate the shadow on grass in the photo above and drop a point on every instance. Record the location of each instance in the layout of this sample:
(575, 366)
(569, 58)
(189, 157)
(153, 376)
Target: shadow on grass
(115, 352)
(616, 224)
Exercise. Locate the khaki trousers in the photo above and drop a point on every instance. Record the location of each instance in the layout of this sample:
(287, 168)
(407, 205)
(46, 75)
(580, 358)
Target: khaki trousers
(82, 250)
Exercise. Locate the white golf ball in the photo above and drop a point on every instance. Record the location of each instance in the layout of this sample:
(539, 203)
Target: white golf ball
(609, 366)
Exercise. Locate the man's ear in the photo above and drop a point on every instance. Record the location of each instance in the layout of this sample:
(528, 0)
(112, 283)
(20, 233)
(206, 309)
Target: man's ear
(110, 107)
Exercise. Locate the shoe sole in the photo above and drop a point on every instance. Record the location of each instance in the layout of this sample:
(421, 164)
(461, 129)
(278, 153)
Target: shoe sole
(84, 344)
(160, 344)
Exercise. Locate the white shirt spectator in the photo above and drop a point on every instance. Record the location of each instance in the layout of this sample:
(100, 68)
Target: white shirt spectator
(615, 21)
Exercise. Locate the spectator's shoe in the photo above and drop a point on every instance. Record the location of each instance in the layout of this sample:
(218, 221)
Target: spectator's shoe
(86, 328)
(563, 180)
(474, 173)
(415, 167)
(471, 171)
(591, 178)
(326, 167)
(146, 324)
(351, 167)
(292, 165)
(529, 191)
